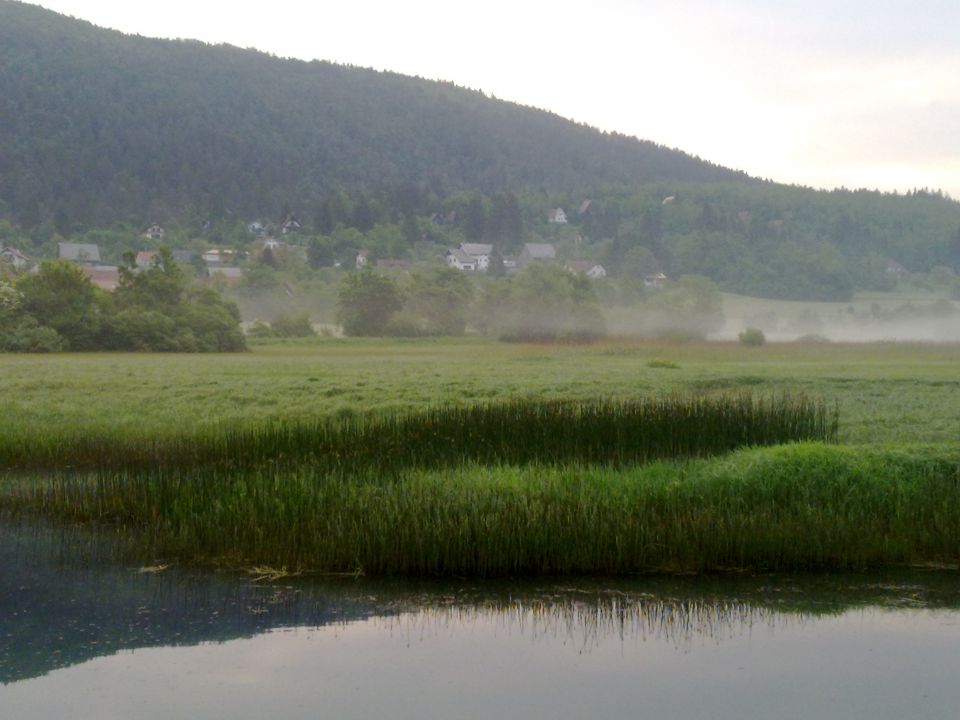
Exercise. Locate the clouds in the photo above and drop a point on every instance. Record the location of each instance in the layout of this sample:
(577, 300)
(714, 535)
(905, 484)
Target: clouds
(812, 91)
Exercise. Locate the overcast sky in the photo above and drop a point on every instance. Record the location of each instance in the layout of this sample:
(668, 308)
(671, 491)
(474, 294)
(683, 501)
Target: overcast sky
(855, 93)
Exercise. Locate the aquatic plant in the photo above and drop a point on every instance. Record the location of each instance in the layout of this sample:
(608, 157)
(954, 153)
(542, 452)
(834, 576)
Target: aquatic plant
(799, 506)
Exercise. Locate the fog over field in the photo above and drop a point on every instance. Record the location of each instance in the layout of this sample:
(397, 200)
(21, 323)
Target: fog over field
(902, 320)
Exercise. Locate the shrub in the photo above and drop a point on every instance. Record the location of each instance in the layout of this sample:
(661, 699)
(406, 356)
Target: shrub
(752, 336)
(292, 326)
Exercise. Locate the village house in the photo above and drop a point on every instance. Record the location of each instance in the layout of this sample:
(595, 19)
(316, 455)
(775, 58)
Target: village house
(155, 232)
(655, 281)
(14, 258)
(105, 277)
(256, 228)
(83, 253)
(587, 267)
(459, 260)
(216, 257)
(536, 252)
(470, 257)
(145, 259)
(557, 216)
(363, 259)
(291, 225)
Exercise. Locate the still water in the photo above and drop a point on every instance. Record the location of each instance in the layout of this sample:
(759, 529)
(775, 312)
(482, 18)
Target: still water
(84, 635)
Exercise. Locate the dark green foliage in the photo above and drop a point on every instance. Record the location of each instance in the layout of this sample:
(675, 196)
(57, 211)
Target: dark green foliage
(524, 431)
(440, 301)
(803, 506)
(752, 336)
(62, 298)
(366, 302)
(292, 326)
(154, 309)
(99, 126)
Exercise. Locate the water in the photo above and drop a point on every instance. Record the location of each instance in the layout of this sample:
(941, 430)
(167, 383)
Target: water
(83, 635)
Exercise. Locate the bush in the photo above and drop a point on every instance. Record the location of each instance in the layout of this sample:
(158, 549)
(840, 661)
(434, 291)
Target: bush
(292, 326)
(752, 336)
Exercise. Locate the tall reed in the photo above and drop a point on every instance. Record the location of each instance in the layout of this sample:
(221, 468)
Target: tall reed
(800, 506)
(522, 431)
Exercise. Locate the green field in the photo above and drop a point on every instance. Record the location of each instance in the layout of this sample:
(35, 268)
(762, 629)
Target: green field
(886, 392)
(887, 493)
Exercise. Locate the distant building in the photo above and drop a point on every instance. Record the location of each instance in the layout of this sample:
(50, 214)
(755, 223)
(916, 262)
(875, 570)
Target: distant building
(459, 260)
(655, 281)
(557, 216)
(363, 259)
(291, 225)
(145, 258)
(155, 232)
(257, 228)
(470, 257)
(84, 253)
(669, 200)
(536, 252)
(106, 277)
(14, 258)
(587, 267)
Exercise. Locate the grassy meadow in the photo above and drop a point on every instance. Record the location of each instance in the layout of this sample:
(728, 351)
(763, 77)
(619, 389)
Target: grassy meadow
(227, 458)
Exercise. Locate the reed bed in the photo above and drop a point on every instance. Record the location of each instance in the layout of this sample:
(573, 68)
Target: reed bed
(516, 432)
(800, 506)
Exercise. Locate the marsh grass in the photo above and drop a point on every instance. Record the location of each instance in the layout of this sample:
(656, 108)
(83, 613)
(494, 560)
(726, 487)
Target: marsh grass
(800, 506)
(516, 432)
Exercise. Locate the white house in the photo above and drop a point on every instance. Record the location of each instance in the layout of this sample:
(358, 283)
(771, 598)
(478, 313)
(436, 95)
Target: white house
(459, 260)
(14, 257)
(654, 280)
(480, 252)
(557, 216)
(587, 267)
(155, 232)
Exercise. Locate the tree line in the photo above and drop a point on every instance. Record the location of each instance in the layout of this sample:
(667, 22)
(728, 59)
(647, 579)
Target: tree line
(154, 309)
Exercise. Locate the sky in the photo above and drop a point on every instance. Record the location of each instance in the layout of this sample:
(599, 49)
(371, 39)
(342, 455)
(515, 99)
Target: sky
(858, 93)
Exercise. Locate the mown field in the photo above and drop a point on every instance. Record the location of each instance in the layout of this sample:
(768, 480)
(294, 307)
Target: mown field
(885, 488)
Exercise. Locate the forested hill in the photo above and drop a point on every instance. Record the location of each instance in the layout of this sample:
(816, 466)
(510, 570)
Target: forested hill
(99, 126)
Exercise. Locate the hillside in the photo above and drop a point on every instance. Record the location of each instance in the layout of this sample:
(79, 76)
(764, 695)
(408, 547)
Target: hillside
(103, 134)
(100, 126)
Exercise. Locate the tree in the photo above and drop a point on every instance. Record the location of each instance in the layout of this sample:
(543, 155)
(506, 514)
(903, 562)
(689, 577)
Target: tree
(320, 253)
(474, 219)
(548, 303)
(61, 297)
(366, 302)
(638, 262)
(441, 301)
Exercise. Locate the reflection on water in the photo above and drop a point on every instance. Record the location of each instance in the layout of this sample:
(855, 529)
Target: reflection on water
(85, 635)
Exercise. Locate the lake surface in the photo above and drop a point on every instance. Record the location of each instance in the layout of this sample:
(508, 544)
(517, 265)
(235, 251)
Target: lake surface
(84, 635)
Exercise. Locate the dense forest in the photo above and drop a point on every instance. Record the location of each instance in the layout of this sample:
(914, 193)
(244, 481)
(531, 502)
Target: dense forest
(99, 125)
(104, 134)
